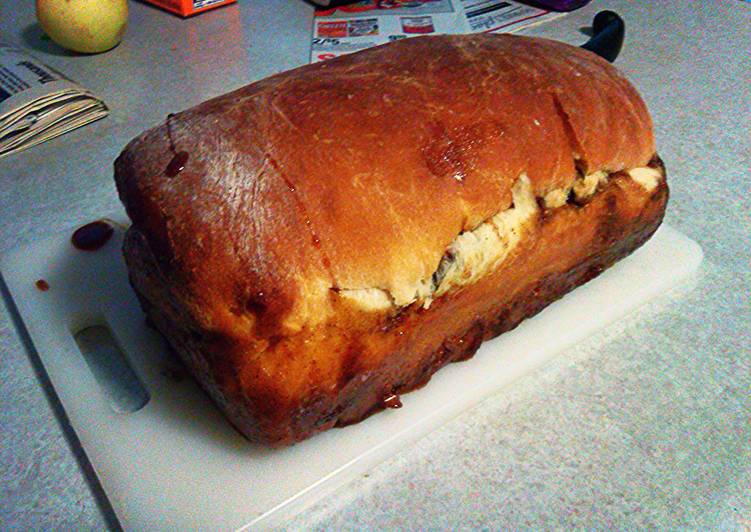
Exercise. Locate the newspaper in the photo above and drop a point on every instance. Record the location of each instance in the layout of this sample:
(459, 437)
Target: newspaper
(38, 103)
(346, 29)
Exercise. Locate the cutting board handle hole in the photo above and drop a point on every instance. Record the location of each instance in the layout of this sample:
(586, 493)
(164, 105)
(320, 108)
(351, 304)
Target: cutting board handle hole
(119, 383)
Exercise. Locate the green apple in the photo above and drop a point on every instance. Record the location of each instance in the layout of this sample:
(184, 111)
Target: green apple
(88, 26)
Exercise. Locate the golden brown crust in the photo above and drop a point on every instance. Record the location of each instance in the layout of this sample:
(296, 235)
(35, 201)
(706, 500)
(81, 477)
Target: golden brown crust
(357, 174)
(438, 125)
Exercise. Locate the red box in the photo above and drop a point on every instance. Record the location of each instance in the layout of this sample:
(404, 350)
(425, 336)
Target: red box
(186, 8)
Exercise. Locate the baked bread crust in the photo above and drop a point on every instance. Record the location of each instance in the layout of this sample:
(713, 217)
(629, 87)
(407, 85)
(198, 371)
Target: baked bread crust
(357, 175)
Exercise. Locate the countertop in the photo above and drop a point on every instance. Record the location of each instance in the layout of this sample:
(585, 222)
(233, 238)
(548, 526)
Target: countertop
(647, 424)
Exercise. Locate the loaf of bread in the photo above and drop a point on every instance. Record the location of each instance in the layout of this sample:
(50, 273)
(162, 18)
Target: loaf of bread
(321, 241)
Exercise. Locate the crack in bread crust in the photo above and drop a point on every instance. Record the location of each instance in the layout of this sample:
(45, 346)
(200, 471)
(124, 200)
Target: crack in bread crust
(474, 253)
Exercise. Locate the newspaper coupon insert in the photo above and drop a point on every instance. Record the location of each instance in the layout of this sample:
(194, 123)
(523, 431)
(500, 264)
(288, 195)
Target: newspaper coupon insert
(38, 103)
(346, 29)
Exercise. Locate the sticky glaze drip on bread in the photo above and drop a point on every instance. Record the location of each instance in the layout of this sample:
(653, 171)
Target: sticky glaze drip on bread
(341, 231)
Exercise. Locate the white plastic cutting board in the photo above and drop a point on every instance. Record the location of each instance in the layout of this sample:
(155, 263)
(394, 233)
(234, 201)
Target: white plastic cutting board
(176, 463)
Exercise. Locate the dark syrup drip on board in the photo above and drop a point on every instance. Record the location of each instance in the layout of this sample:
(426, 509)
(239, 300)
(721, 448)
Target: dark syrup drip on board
(92, 236)
(179, 158)
(42, 285)
(315, 240)
(392, 401)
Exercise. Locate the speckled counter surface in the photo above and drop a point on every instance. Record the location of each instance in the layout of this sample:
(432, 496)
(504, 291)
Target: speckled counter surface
(646, 424)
